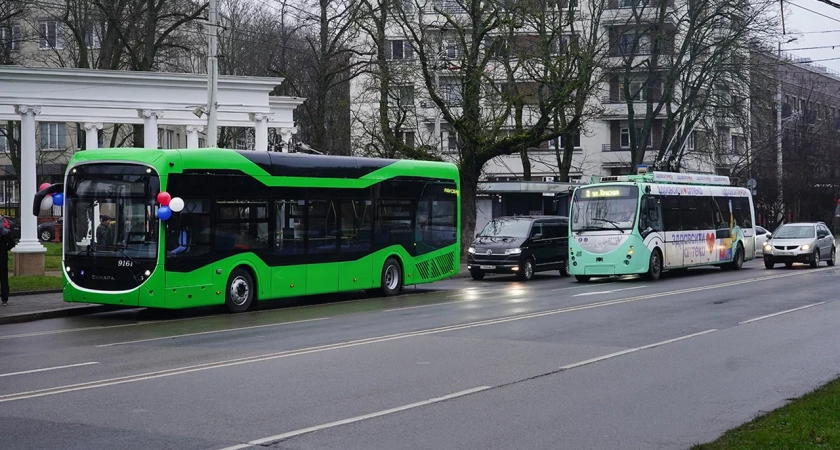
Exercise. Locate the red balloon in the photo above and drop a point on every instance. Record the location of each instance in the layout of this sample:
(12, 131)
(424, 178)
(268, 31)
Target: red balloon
(164, 198)
(838, 201)
(44, 186)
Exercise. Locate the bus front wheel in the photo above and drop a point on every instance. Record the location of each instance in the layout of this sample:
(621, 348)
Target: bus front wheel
(655, 266)
(240, 291)
(391, 278)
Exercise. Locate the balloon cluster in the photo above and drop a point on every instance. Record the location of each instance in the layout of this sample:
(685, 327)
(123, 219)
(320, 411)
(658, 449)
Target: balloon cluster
(168, 205)
(56, 199)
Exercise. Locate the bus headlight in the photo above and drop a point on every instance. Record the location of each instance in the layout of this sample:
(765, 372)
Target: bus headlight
(513, 251)
(471, 250)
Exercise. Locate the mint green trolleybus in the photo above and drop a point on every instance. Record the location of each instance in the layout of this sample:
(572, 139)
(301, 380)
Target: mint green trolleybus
(652, 222)
(186, 228)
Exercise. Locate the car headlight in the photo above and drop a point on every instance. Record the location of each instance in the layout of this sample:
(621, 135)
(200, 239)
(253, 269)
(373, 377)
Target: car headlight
(513, 251)
(767, 245)
(471, 250)
(805, 247)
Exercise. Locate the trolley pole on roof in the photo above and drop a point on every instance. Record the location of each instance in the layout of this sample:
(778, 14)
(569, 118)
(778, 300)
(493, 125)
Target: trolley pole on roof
(212, 74)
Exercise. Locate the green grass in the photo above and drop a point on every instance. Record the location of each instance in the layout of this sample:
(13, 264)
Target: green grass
(52, 259)
(34, 283)
(810, 422)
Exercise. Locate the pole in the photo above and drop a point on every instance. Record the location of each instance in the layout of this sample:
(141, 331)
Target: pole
(212, 75)
(779, 159)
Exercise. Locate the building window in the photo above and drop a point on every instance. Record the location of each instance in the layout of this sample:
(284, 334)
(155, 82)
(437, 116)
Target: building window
(53, 136)
(202, 143)
(689, 142)
(637, 91)
(406, 137)
(399, 50)
(92, 39)
(452, 143)
(49, 32)
(4, 142)
(170, 139)
(627, 47)
(10, 37)
(452, 93)
(625, 137)
(575, 138)
(404, 95)
(452, 49)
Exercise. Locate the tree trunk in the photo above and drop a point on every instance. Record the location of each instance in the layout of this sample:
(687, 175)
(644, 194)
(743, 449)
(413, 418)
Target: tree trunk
(526, 164)
(469, 192)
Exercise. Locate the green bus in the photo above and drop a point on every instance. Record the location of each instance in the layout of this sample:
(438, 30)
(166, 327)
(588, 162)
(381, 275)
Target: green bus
(652, 222)
(186, 228)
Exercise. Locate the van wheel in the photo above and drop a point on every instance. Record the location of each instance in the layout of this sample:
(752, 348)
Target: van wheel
(240, 291)
(526, 271)
(565, 271)
(477, 275)
(391, 278)
(655, 266)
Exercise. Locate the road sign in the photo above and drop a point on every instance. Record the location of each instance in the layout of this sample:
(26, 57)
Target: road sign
(751, 183)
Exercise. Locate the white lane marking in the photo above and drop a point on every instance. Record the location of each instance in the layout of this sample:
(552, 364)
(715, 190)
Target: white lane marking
(583, 287)
(636, 349)
(227, 330)
(366, 341)
(277, 438)
(24, 372)
(280, 437)
(780, 313)
(584, 294)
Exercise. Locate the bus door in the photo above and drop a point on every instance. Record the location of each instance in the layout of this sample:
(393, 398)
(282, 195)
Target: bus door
(322, 246)
(189, 268)
(674, 235)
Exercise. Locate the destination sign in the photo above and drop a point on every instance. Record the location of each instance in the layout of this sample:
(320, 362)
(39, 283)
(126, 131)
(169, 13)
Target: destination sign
(607, 192)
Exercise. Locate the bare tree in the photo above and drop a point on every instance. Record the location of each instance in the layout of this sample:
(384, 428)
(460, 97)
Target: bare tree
(497, 90)
(672, 59)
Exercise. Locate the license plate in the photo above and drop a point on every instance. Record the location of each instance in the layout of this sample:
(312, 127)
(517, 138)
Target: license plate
(778, 253)
(487, 267)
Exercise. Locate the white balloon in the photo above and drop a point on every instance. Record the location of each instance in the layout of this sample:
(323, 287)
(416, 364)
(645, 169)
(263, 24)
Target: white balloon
(47, 203)
(176, 204)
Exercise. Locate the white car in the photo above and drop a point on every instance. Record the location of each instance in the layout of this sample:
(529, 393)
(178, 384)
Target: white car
(761, 236)
(807, 242)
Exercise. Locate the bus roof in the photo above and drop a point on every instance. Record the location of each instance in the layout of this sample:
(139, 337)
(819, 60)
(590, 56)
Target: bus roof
(272, 164)
(672, 178)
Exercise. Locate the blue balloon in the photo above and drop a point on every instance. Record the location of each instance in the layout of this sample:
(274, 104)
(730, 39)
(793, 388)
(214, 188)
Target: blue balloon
(58, 199)
(164, 213)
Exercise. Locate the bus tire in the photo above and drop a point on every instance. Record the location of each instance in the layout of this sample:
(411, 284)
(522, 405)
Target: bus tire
(391, 278)
(582, 278)
(565, 270)
(654, 266)
(738, 261)
(240, 291)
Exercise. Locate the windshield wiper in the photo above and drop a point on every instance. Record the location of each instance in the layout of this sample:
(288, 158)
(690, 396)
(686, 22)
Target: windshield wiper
(615, 224)
(120, 250)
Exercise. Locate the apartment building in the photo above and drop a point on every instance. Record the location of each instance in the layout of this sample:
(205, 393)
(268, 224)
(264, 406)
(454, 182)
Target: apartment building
(602, 147)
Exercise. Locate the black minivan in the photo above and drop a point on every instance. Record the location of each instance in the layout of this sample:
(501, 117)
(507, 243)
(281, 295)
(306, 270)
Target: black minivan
(522, 245)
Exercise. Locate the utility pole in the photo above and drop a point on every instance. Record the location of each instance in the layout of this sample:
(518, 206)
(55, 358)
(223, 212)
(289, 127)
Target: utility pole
(779, 170)
(212, 74)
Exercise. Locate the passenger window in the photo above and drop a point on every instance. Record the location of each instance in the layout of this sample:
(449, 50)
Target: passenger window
(188, 231)
(323, 227)
(536, 229)
(290, 226)
(671, 213)
(356, 226)
(394, 224)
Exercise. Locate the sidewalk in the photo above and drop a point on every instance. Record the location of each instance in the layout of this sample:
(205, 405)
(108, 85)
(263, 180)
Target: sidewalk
(25, 307)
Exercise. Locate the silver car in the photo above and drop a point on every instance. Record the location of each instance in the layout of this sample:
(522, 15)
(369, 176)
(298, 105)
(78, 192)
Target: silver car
(807, 242)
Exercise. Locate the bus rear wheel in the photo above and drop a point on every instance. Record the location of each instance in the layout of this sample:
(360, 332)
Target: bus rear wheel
(240, 291)
(738, 261)
(391, 278)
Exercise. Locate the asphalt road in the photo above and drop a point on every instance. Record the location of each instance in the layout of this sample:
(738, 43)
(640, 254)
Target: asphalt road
(552, 363)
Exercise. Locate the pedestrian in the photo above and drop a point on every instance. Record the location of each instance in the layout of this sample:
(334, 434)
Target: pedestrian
(103, 230)
(7, 242)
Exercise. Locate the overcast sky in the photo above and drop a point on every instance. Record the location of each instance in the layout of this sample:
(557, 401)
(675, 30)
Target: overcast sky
(803, 24)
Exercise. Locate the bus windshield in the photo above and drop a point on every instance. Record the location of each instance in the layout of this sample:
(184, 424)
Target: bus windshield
(605, 208)
(110, 212)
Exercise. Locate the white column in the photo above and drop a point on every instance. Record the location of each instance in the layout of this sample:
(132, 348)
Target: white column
(261, 130)
(28, 237)
(92, 134)
(150, 126)
(192, 135)
(286, 134)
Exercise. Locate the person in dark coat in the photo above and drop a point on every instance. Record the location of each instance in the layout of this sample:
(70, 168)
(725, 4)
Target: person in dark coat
(7, 242)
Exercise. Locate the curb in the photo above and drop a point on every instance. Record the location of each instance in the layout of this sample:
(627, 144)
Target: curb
(57, 313)
(22, 293)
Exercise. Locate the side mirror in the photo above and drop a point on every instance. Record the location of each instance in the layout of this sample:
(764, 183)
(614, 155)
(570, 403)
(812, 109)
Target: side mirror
(646, 232)
(537, 236)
